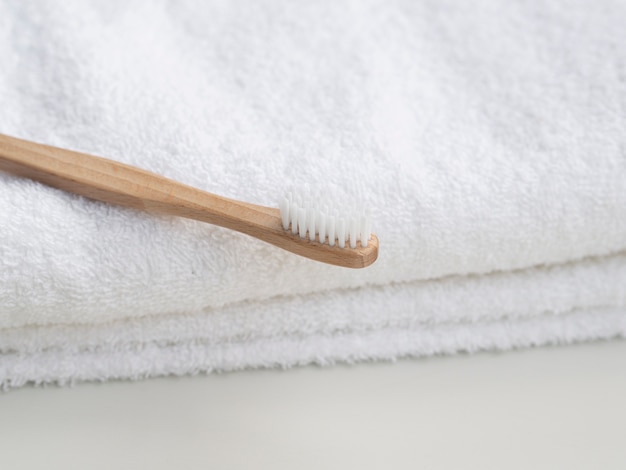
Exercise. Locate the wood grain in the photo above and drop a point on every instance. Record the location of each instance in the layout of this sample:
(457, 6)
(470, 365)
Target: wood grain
(117, 183)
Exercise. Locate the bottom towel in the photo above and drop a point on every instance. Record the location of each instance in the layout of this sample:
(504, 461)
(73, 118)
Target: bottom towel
(545, 305)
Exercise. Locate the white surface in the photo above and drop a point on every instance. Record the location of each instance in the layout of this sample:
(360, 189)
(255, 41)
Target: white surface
(540, 408)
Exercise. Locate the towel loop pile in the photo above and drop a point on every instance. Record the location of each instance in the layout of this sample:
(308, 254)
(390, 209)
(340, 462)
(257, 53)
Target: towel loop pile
(486, 139)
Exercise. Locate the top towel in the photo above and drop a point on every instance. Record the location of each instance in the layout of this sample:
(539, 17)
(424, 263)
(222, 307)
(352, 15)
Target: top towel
(483, 136)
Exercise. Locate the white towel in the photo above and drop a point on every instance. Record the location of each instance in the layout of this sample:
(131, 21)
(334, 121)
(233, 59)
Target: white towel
(487, 139)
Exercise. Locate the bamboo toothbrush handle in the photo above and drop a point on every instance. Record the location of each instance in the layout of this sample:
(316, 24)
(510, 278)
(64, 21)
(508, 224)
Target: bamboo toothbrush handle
(117, 183)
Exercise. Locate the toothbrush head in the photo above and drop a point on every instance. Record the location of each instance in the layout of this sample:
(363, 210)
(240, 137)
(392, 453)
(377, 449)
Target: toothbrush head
(342, 237)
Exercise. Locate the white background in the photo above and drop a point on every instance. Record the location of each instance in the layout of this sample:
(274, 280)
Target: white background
(559, 407)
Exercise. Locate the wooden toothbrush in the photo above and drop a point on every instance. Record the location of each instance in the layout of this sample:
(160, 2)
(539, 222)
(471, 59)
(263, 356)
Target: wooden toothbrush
(298, 227)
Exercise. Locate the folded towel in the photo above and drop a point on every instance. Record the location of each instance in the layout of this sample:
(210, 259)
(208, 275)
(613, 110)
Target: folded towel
(487, 140)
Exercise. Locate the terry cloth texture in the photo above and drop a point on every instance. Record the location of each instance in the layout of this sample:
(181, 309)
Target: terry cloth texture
(487, 139)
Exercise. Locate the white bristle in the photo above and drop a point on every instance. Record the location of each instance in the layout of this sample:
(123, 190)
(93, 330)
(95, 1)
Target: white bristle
(331, 230)
(318, 219)
(283, 205)
(302, 223)
(354, 227)
(341, 232)
(316, 214)
(311, 215)
(321, 227)
(293, 212)
(366, 231)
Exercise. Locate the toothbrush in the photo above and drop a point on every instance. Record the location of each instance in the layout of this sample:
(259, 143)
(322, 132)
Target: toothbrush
(296, 226)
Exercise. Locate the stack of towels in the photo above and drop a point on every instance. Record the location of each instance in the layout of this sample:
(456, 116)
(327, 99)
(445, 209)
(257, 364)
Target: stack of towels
(487, 139)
